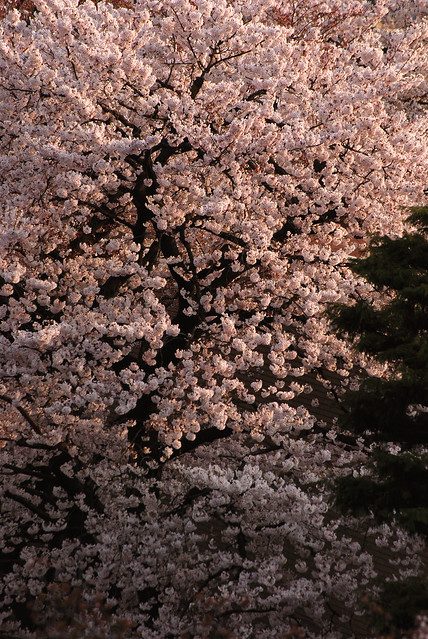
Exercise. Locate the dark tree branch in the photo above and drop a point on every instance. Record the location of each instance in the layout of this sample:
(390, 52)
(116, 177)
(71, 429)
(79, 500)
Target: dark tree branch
(30, 506)
(23, 412)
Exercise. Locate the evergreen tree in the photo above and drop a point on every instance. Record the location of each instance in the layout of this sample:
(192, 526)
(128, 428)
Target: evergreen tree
(391, 411)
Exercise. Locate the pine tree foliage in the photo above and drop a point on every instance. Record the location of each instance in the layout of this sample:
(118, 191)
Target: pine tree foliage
(399, 604)
(391, 411)
(394, 332)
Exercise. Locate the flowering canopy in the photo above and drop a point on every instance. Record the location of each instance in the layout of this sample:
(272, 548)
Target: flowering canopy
(182, 183)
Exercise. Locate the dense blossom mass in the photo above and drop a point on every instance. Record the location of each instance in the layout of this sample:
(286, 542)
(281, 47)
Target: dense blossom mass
(182, 184)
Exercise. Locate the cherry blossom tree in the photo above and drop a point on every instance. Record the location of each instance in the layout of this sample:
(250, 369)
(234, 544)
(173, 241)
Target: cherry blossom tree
(182, 184)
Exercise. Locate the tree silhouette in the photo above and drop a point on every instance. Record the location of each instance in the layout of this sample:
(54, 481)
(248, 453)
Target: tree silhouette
(391, 410)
